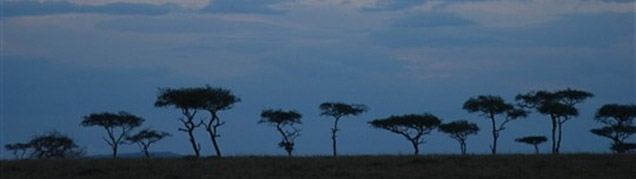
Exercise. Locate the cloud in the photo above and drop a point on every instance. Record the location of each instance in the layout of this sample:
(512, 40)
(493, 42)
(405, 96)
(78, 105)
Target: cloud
(398, 5)
(34, 8)
(431, 19)
(244, 6)
(575, 30)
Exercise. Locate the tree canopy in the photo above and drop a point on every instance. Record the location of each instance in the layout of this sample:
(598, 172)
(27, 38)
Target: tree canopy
(111, 121)
(55, 145)
(145, 138)
(559, 105)
(460, 130)
(412, 126)
(490, 106)
(284, 122)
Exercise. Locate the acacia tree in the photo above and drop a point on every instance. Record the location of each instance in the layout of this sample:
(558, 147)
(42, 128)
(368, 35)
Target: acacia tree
(18, 149)
(188, 101)
(284, 122)
(215, 100)
(619, 125)
(117, 126)
(54, 145)
(338, 110)
(533, 140)
(490, 106)
(460, 130)
(145, 138)
(412, 126)
(559, 105)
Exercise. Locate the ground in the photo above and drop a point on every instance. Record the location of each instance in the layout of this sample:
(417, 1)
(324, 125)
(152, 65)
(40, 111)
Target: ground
(426, 166)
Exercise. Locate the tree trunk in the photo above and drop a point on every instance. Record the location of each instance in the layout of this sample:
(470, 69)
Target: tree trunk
(211, 128)
(554, 126)
(416, 147)
(146, 151)
(536, 149)
(495, 135)
(463, 147)
(289, 152)
(558, 144)
(333, 137)
(216, 146)
(114, 150)
(194, 143)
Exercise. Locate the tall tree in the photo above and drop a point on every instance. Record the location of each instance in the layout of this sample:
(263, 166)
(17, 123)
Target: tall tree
(619, 121)
(215, 100)
(145, 138)
(559, 105)
(18, 149)
(533, 140)
(460, 130)
(338, 110)
(54, 145)
(412, 126)
(117, 126)
(284, 122)
(490, 106)
(188, 100)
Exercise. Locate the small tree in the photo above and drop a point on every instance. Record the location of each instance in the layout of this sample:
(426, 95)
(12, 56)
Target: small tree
(18, 149)
(216, 99)
(337, 111)
(284, 122)
(460, 130)
(559, 105)
(188, 100)
(489, 106)
(54, 145)
(619, 125)
(123, 121)
(413, 127)
(145, 138)
(533, 140)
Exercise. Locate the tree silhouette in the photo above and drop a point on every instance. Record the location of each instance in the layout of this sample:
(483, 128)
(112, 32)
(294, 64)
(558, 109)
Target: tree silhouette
(123, 121)
(619, 125)
(338, 110)
(284, 122)
(145, 138)
(54, 145)
(460, 130)
(215, 100)
(559, 105)
(188, 100)
(533, 140)
(18, 149)
(489, 106)
(413, 127)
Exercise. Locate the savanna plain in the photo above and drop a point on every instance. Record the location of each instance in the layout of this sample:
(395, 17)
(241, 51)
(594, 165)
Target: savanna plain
(424, 166)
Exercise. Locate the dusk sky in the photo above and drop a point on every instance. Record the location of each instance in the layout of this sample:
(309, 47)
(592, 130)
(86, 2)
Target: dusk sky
(62, 60)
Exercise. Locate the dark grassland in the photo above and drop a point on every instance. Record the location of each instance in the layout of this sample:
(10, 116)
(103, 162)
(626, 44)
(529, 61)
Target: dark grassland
(427, 166)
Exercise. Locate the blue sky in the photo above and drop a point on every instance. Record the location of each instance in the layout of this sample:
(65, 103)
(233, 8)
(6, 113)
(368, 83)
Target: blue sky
(62, 60)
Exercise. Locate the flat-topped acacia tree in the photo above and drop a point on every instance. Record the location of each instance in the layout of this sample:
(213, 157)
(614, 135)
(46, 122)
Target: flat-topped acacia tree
(284, 122)
(619, 121)
(559, 105)
(460, 130)
(145, 138)
(215, 100)
(117, 126)
(412, 126)
(188, 101)
(338, 110)
(490, 106)
(533, 140)
(18, 149)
